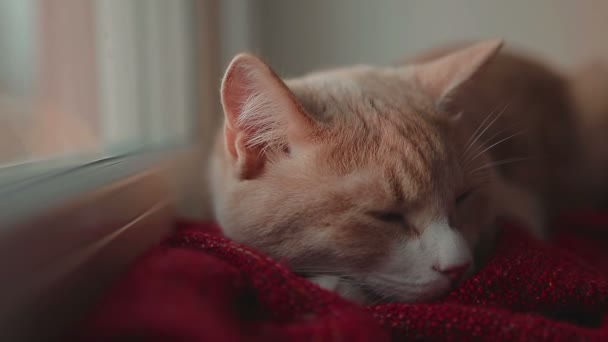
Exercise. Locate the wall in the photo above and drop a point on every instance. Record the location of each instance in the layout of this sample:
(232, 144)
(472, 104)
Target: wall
(297, 36)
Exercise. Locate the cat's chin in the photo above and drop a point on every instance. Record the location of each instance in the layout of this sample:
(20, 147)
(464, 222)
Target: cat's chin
(364, 296)
(346, 290)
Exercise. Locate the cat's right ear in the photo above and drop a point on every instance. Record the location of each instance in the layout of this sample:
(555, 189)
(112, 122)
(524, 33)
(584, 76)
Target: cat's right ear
(262, 115)
(442, 76)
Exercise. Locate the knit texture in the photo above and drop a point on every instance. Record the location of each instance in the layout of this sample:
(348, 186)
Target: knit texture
(200, 286)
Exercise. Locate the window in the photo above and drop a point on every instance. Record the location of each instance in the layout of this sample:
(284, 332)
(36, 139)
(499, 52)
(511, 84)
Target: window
(103, 107)
(84, 80)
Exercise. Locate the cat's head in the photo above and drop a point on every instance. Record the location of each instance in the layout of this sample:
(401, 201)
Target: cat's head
(357, 172)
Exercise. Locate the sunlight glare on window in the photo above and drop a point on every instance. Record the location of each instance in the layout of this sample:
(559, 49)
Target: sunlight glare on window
(94, 78)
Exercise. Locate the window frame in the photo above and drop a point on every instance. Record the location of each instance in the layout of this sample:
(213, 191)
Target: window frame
(57, 260)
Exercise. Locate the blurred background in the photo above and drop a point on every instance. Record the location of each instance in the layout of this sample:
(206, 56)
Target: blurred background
(106, 77)
(94, 77)
(297, 36)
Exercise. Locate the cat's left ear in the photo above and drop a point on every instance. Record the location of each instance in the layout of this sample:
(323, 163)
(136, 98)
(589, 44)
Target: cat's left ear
(262, 116)
(444, 75)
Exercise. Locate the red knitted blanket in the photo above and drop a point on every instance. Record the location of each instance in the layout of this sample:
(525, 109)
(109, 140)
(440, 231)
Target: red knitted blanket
(200, 286)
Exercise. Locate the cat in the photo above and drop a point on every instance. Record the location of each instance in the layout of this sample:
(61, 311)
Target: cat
(386, 183)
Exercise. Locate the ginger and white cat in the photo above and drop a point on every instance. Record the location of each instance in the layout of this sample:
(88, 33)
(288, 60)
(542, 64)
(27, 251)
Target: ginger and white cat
(383, 183)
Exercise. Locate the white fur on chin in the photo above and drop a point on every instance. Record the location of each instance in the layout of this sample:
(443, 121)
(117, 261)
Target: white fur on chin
(335, 284)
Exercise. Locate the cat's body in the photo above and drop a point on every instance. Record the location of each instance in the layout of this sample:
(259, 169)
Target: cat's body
(381, 182)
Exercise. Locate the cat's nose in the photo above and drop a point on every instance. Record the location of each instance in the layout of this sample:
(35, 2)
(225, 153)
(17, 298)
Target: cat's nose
(454, 272)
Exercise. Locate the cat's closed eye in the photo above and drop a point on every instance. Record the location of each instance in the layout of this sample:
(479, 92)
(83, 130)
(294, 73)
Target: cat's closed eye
(464, 196)
(387, 216)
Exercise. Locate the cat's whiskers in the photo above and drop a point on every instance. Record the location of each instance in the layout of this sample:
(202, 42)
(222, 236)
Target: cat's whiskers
(471, 160)
(489, 140)
(500, 162)
(469, 142)
(507, 129)
(485, 129)
(481, 127)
